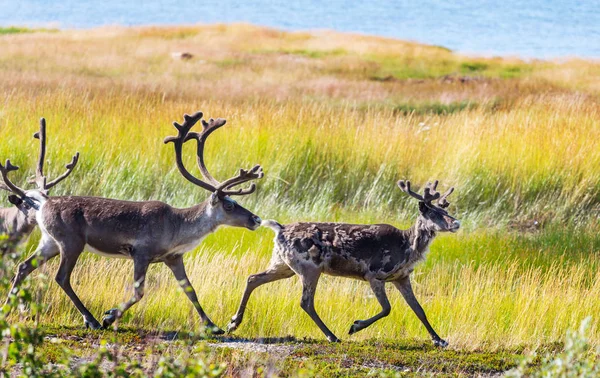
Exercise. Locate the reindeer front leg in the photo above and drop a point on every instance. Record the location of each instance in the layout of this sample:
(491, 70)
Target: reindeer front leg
(378, 288)
(405, 288)
(70, 251)
(176, 265)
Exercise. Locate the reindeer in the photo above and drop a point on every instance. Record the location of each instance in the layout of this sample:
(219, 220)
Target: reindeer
(145, 232)
(19, 221)
(376, 253)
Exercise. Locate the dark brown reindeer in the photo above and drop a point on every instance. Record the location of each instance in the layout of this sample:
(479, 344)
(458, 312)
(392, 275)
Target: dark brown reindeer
(377, 253)
(19, 221)
(146, 232)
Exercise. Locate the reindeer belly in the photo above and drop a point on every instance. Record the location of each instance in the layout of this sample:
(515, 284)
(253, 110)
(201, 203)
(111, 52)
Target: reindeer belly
(115, 250)
(345, 266)
(322, 259)
(183, 248)
(117, 255)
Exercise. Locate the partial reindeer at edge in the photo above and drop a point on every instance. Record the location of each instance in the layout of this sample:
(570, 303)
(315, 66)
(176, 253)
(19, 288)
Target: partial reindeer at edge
(377, 253)
(145, 232)
(19, 221)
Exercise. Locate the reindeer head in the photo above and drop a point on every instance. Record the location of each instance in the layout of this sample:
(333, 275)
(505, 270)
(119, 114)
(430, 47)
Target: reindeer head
(434, 218)
(28, 201)
(223, 209)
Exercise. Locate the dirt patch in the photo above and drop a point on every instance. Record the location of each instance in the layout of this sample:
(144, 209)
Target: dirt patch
(279, 350)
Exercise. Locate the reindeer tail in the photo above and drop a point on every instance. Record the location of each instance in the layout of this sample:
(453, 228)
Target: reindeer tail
(274, 225)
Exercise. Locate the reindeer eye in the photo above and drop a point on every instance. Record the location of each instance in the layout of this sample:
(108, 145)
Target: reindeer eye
(228, 206)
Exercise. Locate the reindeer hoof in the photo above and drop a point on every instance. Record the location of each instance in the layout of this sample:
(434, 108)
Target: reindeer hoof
(232, 326)
(217, 331)
(212, 329)
(440, 343)
(109, 318)
(333, 339)
(91, 324)
(355, 327)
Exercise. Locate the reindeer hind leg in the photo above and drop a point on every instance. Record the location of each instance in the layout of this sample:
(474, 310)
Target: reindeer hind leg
(277, 270)
(310, 279)
(140, 268)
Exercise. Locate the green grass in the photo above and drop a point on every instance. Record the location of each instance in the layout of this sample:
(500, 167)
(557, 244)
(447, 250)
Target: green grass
(20, 30)
(435, 108)
(309, 53)
(469, 67)
(316, 53)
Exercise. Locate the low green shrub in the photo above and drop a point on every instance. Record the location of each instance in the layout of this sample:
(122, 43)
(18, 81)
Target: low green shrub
(577, 360)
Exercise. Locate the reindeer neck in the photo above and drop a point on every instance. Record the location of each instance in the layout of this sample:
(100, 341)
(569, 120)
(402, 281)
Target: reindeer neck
(196, 221)
(420, 236)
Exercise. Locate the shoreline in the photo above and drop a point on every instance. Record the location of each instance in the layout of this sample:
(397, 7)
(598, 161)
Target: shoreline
(55, 26)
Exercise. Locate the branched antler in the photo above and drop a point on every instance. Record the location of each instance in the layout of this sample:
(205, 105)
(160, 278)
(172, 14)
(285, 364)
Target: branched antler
(244, 176)
(179, 140)
(443, 202)
(430, 194)
(211, 184)
(40, 178)
(4, 170)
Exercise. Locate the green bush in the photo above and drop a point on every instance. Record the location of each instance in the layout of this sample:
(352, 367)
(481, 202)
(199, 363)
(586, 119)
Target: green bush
(578, 359)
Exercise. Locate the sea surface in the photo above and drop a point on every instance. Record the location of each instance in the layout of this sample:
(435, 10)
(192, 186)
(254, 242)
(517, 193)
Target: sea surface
(529, 29)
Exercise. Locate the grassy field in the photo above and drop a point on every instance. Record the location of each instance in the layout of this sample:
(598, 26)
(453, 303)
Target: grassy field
(335, 120)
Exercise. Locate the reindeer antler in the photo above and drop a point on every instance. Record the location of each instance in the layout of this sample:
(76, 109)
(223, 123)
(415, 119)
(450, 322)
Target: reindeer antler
(244, 176)
(430, 194)
(4, 170)
(443, 202)
(207, 129)
(40, 178)
(221, 188)
(4, 187)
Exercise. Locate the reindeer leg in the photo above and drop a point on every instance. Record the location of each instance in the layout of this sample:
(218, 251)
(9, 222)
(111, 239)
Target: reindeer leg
(277, 271)
(68, 258)
(178, 269)
(378, 288)
(310, 279)
(405, 288)
(140, 267)
(46, 250)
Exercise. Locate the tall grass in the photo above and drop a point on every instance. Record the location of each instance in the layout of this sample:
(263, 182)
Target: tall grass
(518, 296)
(527, 162)
(333, 142)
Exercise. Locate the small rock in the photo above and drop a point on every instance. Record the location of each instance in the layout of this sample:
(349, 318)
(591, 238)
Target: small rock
(181, 55)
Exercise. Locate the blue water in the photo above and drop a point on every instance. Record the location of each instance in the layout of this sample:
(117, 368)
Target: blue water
(530, 29)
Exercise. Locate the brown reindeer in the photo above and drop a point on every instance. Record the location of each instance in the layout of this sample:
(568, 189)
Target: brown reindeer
(376, 253)
(19, 221)
(145, 232)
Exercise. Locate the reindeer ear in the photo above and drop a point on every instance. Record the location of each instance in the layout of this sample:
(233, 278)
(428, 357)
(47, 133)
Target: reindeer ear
(15, 200)
(423, 208)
